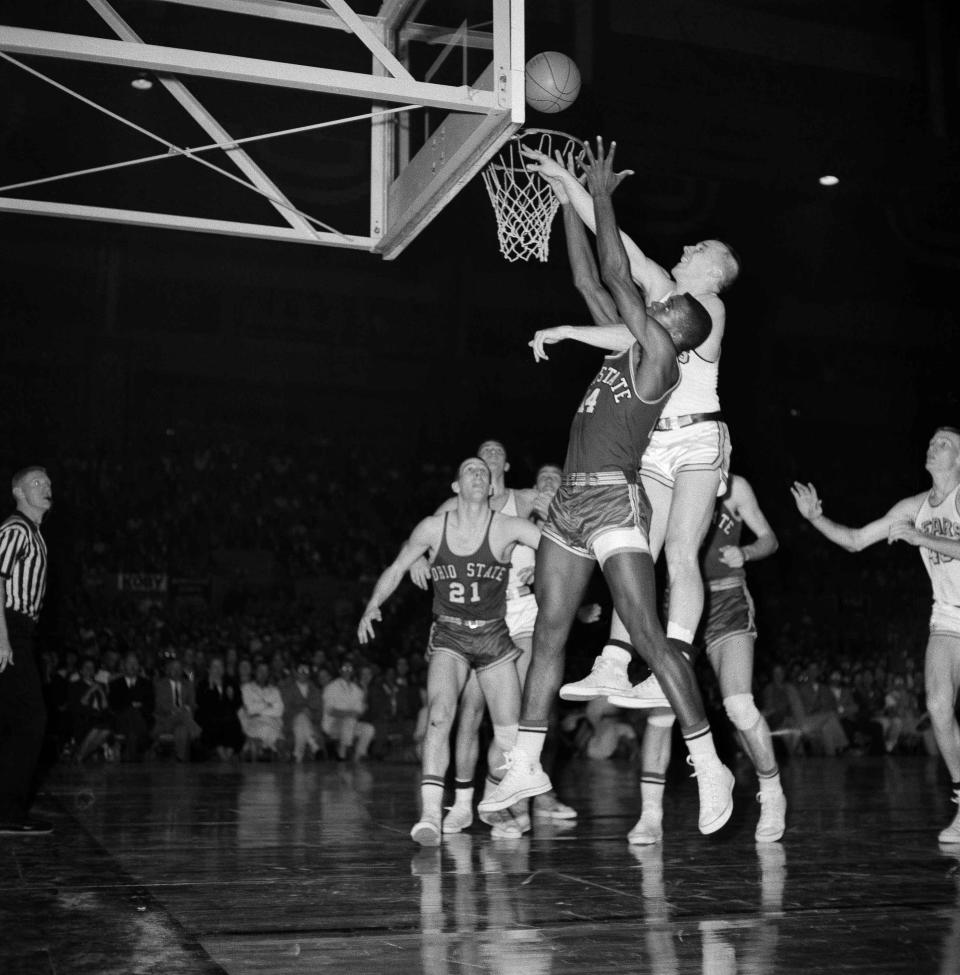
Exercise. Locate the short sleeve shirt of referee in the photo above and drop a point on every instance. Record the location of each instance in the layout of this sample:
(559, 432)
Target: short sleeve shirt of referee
(23, 565)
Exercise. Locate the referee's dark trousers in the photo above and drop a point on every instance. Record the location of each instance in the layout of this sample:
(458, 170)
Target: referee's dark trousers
(23, 720)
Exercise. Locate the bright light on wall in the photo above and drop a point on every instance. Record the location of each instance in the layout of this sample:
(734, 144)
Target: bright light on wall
(828, 180)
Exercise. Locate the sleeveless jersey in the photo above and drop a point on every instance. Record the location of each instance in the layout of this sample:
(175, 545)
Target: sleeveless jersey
(943, 521)
(523, 556)
(611, 428)
(697, 392)
(725, 530)
(470, 587)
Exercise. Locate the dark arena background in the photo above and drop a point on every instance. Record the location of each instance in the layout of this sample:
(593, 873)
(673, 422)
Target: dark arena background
(241, 433)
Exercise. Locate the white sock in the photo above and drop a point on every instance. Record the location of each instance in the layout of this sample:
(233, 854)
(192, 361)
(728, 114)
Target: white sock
(770, 784)
(530, 741)
(617, 654)
(701, 747)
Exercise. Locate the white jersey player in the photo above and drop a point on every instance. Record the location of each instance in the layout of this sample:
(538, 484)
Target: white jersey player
(686, 465)
(930, 521)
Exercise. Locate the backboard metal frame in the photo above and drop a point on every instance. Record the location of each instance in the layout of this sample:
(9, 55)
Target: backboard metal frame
(405, 193)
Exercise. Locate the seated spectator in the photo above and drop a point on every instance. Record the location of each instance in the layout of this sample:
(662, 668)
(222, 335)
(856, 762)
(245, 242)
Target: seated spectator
(600, 731)
(343, 704)
(781, 703)
(261, 716)
(188, 665)
(820, 721)
(218, 700)
(231, 660)
(90, 715)
(900, 717)
(174, 705)
(848, 710)
(302, 712)
(131, 700)
(385, 698)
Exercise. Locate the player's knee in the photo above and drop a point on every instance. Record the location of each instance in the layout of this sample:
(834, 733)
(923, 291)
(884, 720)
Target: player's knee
(440, 714)
(505, 736)
(741, 711)
(682, 556)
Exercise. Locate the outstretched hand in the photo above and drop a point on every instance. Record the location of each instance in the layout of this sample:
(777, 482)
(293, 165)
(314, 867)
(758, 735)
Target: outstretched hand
(539, 162)
(545, 337)
(808, 503)
(598, 168)
(554, 171)
(365, 627)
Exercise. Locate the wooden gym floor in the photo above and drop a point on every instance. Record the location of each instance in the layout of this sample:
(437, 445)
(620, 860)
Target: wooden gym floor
(283, 869)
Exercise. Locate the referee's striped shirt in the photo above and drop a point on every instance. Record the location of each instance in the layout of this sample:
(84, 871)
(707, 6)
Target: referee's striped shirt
(23, 565)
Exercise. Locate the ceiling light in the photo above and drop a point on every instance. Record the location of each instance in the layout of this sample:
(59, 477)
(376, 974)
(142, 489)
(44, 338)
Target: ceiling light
(829, 180)
(141, 82)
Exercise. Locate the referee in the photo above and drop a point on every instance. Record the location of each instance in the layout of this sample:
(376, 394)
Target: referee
(23, 572)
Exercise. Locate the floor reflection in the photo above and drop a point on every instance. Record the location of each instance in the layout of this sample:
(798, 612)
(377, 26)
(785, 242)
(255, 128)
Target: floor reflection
(469, 918)
(289, 870)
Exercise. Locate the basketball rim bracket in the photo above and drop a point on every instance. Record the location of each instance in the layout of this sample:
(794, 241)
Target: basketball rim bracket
(408, 186)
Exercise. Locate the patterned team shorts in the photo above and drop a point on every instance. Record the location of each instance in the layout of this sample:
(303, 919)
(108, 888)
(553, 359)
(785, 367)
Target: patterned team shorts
(699, 447)
(945, 619)
(727, 612)
(480, 648)
(596, 521)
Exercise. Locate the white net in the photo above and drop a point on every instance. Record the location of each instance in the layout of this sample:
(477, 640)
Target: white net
(522, 199)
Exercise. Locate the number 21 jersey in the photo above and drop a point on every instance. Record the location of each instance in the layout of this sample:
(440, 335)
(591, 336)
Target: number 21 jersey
(470, 587)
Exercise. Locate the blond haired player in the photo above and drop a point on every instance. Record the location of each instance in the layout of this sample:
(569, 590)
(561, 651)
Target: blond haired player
(931, 522)
(686, 464)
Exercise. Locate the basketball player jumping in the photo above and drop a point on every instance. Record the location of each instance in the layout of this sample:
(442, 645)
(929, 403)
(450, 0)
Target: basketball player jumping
(470, 562)
(601, 514)
(728, 632)
(930, 521)
(686, 465)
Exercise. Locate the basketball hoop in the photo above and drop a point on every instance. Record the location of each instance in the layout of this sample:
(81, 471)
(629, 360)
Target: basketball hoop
(522, 200)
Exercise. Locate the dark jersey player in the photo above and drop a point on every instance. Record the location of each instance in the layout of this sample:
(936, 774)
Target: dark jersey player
(728, 633)
(601, 513)
(469, 550)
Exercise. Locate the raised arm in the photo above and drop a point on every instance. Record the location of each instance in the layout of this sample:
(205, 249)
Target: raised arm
(654, 280)
(586, 278)
(659, 352)
(853, 539)
(420, 541)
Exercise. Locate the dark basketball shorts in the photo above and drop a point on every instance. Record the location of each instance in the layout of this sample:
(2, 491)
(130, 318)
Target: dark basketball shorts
(596, 521)
(727, 612)
(480, 648)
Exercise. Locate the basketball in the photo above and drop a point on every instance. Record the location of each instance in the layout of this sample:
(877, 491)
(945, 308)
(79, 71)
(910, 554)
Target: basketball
(553, 82)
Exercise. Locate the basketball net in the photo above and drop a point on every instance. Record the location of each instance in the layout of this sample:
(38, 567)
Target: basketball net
(522, 200)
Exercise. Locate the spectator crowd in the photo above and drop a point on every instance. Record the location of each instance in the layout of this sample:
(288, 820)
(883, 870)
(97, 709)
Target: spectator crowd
(270, 673)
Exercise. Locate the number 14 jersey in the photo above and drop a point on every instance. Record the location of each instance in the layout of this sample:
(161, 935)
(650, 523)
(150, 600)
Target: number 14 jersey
(470, 587)
(612, 427)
